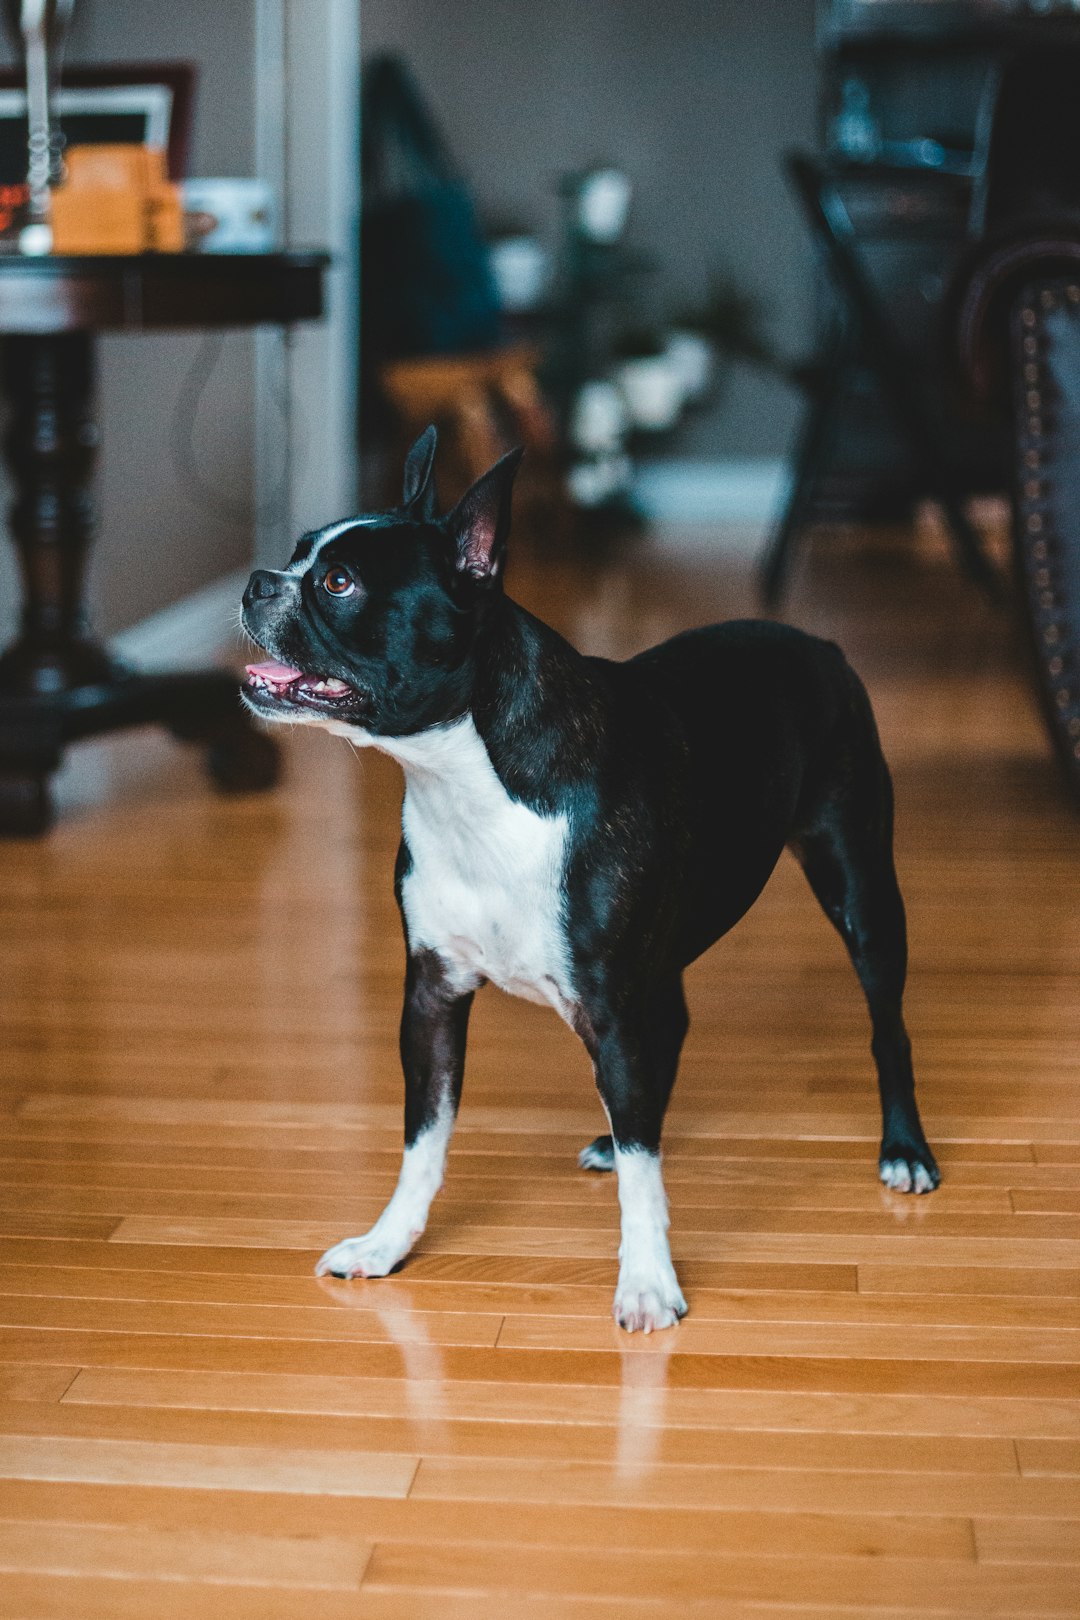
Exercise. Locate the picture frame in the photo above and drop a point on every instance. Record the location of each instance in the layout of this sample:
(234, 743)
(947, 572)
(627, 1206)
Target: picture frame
(145, 103)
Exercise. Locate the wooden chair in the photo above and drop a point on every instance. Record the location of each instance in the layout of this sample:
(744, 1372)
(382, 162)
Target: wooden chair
(482, 404)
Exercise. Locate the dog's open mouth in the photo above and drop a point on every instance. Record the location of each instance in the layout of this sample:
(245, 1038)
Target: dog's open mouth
(280, 683)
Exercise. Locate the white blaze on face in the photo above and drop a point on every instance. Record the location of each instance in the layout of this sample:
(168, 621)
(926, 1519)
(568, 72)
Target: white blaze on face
(324, 538)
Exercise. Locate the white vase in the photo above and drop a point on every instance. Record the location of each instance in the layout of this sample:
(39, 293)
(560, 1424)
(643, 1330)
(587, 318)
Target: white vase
(692, 356)
(654, 391)
(599, 419)
(521, 267)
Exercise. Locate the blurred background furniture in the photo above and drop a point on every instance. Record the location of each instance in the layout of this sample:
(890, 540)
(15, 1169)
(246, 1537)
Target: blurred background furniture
(881, 429)
(1015, 309)
(57, 683)
(907, 94)
(946, 210)
(481, 403)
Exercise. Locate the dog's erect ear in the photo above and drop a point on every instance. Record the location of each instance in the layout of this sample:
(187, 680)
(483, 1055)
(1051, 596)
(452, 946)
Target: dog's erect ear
(480, 522)
(419, 489)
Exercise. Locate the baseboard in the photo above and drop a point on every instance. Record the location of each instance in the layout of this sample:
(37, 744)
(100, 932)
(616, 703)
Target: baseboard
(195, 630)
(744, 491)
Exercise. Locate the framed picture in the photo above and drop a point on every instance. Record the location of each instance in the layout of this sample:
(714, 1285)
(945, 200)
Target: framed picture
(142, 103)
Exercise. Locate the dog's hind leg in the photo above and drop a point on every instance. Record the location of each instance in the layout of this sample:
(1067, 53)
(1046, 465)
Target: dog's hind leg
(846, 853)
(668, 1024)
(434, 1025)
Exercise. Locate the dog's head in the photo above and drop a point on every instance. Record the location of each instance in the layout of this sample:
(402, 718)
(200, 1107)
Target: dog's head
(374, 622)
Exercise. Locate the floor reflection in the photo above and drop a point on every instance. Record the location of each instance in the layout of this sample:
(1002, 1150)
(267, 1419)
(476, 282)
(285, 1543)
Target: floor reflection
(422, 1363)
(643, 1393)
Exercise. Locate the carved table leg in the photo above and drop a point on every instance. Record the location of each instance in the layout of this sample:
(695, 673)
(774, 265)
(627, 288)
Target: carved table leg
(50, 449)
(57, 683)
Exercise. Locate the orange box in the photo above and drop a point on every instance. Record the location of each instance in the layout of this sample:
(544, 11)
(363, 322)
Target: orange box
(116, 199)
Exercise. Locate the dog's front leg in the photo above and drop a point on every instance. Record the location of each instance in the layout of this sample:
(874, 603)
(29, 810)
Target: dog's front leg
(434, 1023)
(635, 1095)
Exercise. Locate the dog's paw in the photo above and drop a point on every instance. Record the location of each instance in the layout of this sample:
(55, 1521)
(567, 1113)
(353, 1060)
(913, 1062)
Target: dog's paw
(909, 1169)
(599, 1155)
(642, 1304)
(367, 1256)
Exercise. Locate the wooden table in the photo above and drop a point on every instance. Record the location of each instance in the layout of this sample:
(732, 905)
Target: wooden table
(57, 682)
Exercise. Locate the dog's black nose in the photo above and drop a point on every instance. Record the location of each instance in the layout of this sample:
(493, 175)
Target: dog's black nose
(260, 587)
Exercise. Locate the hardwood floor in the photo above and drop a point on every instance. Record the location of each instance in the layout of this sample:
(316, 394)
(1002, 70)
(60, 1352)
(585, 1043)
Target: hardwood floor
(874, 1405)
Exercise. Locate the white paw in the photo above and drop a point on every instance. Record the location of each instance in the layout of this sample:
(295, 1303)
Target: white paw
(642, 1304)
(367, 1256)
(908, 1175)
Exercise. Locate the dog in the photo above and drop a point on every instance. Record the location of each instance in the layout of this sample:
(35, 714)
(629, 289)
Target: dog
(577, 831)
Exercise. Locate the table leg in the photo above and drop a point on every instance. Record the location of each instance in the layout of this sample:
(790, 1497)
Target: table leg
(57, 683)
(50, 448)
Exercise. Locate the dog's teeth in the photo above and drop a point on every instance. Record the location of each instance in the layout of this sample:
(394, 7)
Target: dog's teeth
(334, 685)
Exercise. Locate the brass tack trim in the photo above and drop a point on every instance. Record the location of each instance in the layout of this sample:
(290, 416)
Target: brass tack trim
(1074, 726)
(1062, 697)
(1028, 317)
(1047, 299)
(1031, 458)
(1035, 522)
(1033, 399)
(1056, 665)
(1051, 635)
(1039, 550)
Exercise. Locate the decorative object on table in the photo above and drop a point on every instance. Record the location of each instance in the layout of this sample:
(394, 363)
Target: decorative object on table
(130, 104)
(230, 215)
(427, 287)
(116, 199)
(40, 29)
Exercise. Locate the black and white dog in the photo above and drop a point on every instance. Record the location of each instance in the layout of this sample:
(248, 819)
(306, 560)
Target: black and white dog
(577, 831)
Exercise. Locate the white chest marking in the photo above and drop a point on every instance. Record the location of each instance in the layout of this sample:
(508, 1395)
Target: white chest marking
(485, 887)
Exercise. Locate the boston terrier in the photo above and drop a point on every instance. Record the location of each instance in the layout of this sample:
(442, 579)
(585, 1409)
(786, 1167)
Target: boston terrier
(577, 831)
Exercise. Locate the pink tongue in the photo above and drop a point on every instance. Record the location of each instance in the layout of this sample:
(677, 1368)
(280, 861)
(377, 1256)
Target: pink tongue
(276, 674)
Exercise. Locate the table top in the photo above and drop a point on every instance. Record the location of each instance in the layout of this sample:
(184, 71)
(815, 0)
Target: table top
(156, 291)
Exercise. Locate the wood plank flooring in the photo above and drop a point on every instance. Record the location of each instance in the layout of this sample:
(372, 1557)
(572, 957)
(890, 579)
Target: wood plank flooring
(873, 1408)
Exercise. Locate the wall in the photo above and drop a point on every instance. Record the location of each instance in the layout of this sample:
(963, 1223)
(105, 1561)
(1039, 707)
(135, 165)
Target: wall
(697, 99)
(157, 539)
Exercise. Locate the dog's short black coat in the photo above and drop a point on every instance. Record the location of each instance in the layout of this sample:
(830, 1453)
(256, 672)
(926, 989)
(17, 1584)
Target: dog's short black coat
(681, 775)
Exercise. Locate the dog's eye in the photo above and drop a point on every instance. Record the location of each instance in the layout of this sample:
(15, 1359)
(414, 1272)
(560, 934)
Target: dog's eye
(338, 583)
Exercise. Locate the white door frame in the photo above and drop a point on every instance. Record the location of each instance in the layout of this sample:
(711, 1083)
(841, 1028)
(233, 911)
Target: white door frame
(307, 145)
